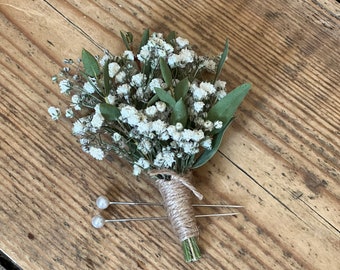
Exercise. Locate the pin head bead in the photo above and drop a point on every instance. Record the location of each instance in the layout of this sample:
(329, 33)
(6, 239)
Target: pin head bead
(98, 221)
(102, 202)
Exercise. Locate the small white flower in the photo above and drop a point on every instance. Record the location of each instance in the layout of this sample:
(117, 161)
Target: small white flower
(220, 85)
(65, 86)
(151, 111)
(161, 106)
(179, 126)
(198, 93)
(75, 99)
(104, 59)
(116, 137)
(98, 118)
(123, 89)
(208, 87)
(136, 170)
(69, 113)
(206, 143)
(182, 42)
(156, 82)
(54, 113)
(110, 99)
(138, 80)
(209, 64)
(144, 146)
(142, 162)
(96, 152)
(218, 124)
(158, 126)
(198, 106)
(220, 94)
(120, 77)
(186, 56)
(197, 135)
(80, 126)
(113, 69)
(88, 88)
(208, 125)
(164, 159)
(129, 55)
(174, 60)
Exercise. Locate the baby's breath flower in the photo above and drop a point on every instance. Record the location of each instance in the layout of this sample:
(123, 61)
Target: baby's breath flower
(98, 118)
(104, 59)
(54, 113)
(161, 106)
(137, 170)
(129, 55)
(69, 113)
(113, 69)
(120, 77)
(182, 42)
(138, 80)
(151, 111)
(220, 85)
(198, 106)
(218, 124)
(88, 88)
(206, 143)
(123, 89)
(96, 152)
(65, 86)
(208, 125)
(116, 137)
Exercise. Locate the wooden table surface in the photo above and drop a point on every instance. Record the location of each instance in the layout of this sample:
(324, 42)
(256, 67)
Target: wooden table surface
(279, 159)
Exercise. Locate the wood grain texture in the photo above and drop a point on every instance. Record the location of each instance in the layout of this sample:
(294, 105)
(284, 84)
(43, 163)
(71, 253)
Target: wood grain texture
(280, 158)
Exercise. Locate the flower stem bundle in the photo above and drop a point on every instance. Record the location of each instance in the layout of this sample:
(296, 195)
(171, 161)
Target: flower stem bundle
(161, 107)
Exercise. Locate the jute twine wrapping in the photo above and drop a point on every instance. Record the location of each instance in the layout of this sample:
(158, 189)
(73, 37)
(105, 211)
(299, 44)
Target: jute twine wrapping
(176, 194)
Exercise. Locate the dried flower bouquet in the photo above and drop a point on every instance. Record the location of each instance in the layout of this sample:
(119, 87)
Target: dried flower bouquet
(161, 107)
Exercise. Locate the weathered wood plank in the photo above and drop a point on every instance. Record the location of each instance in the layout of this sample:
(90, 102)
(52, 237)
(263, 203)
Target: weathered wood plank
(280, 159)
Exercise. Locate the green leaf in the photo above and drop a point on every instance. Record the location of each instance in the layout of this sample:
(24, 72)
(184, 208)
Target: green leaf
(179, 113)
(222, 60)
(144, 40)
(225, 108)
(90, 63)
(216, 142)
(152, 100)
(165, 96)
(166, 72)
(109, 112)
(127, 38)
(181, 89)
(171, 38)
(107, 85)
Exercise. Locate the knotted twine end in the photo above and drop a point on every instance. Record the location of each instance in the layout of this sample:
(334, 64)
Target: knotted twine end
(177, 202)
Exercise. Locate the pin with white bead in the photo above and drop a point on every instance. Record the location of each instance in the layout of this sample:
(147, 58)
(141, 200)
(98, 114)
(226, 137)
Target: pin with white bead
(103, 202)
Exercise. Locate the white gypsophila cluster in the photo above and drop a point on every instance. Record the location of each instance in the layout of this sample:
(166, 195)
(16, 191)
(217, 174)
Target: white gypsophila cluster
(144, 132)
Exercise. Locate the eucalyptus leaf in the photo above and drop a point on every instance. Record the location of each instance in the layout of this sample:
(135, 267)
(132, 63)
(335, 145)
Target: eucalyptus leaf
(222, 60)
(216, 142)
(171, 38)
(109, 111)
(165, 96)
(144, 40)
(152, 100)
(179, 113)
(90, 63)
(107, 85)
(181, 89)
(225, 108)
(166, 72)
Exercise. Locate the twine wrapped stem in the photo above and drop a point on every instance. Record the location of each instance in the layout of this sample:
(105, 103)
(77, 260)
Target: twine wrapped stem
(176, 194)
